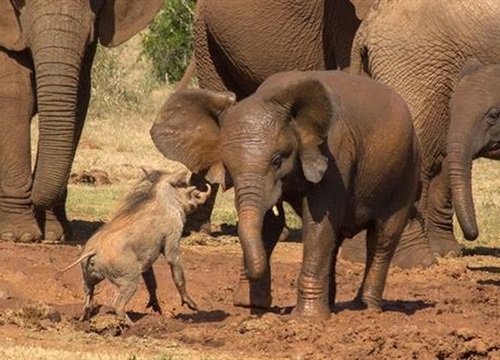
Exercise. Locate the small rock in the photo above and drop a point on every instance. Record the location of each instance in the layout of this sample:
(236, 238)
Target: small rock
(476, 346)
(54, 316)
(464, 333)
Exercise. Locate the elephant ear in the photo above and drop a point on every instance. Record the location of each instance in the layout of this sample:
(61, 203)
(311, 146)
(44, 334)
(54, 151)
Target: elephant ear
(11, 37)
(311, 110)
(119, 20)
(362, 7)
(187, 130)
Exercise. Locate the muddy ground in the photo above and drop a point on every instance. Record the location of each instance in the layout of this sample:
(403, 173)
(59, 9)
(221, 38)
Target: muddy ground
(450, 311)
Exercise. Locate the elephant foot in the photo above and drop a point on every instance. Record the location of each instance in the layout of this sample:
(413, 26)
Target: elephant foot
(354, 249)
(254, 294)
(413, 250)
(443, 242)
(54, 232)
(368, 300)
(413, 256)
(312, 309)
(55, 227)
(312, 302)
(19, 227)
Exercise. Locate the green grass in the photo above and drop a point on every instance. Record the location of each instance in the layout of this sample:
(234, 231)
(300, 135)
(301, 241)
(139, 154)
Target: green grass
(94, 203)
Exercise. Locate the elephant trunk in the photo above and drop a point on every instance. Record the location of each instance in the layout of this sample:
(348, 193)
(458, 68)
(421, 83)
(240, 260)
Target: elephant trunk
(250, 220)
(460, 156)
(58, 42)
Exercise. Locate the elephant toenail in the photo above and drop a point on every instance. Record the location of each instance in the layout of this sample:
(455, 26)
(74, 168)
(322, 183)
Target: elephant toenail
(52, 238)
(451, 254)
(27, 238)
(8, 236)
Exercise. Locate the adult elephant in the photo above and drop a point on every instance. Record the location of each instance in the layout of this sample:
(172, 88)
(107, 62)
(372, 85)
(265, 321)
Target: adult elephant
(46, 53)
(419, 48)
(238, 44)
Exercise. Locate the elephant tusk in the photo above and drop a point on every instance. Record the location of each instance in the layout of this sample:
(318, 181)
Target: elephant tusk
(276, 212)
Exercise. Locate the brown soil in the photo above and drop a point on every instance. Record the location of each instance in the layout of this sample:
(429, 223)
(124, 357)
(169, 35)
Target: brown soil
(451, 311)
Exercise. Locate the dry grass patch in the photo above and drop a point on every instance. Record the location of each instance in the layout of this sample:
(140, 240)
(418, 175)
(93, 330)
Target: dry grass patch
(32, 316)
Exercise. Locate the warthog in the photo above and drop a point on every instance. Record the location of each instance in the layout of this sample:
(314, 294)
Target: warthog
(149, 223)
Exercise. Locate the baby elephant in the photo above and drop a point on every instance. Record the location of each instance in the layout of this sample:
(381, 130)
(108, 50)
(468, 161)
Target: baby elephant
(149, 222)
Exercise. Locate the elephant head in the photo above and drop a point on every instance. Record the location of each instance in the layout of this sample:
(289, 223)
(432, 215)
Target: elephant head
(259, 141)
(474, 132)
(61, 38)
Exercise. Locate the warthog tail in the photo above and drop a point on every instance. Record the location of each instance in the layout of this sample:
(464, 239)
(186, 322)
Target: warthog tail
(79, 260)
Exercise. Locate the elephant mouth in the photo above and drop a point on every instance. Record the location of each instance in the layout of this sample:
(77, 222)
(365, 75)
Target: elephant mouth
(492, 151)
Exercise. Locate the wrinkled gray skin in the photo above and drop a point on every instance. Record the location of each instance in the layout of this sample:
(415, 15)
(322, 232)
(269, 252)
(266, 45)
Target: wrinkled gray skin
(239, 43)
(419, 48)
(149, 223)
(340, 149)
(46, 53)
(475, 115)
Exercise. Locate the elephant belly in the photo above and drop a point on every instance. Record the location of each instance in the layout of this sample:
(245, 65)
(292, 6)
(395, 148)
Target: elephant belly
(356, 219)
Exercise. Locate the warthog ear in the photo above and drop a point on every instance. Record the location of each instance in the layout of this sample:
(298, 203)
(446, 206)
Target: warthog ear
(311, 110)
(152, 175)
(187, 128)
(180, 178)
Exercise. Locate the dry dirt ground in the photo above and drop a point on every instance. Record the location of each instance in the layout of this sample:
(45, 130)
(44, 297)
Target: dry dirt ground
(450, 311)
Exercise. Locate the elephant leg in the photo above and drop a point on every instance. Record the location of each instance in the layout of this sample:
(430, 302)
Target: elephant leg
(381, 242)
(440, 217)
(258, 293)
(333, 279)
(315, 291)
(17, 222)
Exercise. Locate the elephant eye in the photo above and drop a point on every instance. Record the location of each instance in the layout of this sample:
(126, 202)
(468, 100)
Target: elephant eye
(276, 161)
(492, 116)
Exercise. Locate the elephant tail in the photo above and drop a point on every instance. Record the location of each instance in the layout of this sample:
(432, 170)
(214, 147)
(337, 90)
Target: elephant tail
(188, 75)
(84, 257)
